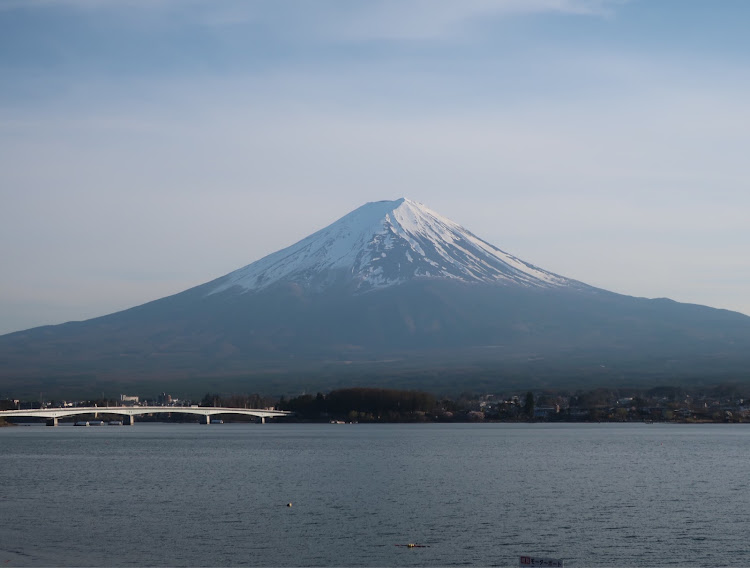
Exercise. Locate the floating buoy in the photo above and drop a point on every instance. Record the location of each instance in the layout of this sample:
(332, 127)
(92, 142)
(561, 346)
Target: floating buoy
(288, 504)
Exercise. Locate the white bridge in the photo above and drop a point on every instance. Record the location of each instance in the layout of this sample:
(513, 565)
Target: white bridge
(130, 412)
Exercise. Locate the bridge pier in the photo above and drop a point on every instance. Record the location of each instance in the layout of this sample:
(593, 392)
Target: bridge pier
(128, 420)
(52, 422)
(261, 420)
(206, 419)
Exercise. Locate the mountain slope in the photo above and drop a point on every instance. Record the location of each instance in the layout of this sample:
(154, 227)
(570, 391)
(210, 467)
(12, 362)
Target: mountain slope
(392, 291)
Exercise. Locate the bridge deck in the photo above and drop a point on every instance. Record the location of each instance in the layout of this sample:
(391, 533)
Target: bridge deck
(130, 411)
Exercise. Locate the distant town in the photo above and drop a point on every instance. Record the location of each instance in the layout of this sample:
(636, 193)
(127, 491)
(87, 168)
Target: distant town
(719, 404)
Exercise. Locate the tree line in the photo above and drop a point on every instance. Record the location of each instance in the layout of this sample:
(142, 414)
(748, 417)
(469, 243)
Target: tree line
(362, 403)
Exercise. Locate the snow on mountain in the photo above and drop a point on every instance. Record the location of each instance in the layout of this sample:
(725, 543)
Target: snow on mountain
(385, 243)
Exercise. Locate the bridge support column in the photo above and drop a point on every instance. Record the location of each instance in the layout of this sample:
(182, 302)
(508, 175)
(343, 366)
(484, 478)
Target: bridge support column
(261, 420)
(128, 420)
(52, 422)
(206, 419)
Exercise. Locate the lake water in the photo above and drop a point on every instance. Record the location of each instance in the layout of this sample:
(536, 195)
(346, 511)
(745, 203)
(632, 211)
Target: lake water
(191, 495)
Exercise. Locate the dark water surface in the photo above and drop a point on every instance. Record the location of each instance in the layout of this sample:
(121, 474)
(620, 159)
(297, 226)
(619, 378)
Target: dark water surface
(191, 495)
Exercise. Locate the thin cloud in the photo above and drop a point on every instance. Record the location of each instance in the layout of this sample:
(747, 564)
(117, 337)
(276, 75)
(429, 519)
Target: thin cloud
(381, 19)
(86, 4)
(435, 19)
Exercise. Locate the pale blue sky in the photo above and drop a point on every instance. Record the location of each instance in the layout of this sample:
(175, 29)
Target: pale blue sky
(147, 146)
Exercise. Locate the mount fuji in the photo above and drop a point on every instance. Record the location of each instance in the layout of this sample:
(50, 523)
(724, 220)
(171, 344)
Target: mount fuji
(385, 244)
(390, 294)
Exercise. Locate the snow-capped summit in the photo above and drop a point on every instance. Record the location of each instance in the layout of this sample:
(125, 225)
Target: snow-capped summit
(385, 243)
